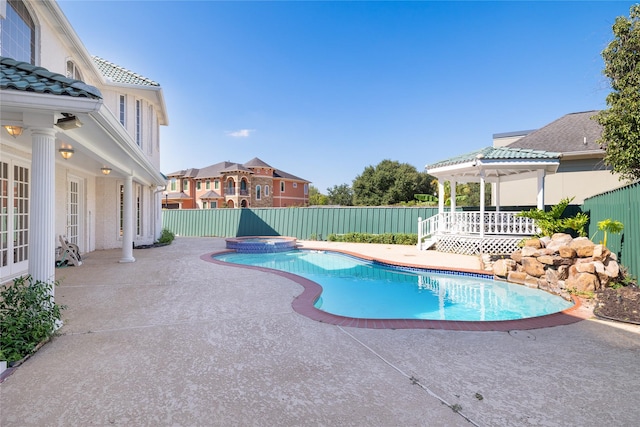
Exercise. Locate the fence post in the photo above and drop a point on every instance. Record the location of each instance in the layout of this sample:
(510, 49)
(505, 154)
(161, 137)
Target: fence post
(419, 233)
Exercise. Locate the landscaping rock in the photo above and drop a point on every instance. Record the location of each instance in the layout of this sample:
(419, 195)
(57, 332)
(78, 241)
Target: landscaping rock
(583, 282)
(567, 252)
(533, 243)
(502, 267)
(517, 277)
(583, 246)
(533, 267)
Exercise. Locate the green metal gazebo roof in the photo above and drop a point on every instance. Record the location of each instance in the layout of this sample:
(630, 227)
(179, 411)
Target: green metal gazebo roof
(495, 163)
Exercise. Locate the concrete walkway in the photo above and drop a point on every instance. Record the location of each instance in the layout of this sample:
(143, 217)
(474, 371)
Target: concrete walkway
(173, 340)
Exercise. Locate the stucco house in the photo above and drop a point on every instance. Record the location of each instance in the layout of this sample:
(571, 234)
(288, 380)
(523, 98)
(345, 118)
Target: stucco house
(253, 184)
(581, 173)
(79, 145)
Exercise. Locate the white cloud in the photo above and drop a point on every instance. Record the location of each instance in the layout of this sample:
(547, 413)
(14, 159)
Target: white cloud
(242, 133)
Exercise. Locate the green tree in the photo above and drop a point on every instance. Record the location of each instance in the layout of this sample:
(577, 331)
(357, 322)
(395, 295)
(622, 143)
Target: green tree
(621, 120)
(316, 197)
(340, 195)
(389, 183)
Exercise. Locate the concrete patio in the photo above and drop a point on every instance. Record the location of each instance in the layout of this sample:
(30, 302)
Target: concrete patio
(173, 340)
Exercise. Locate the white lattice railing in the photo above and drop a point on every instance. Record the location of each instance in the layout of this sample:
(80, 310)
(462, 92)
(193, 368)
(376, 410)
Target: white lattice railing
(473, 223)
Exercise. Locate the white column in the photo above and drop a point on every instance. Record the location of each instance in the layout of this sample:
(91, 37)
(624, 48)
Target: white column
(440, 196)
(42, 215)
(497, 195)
(541, 175)
(453, 184)
(127, 221)
(482, 184)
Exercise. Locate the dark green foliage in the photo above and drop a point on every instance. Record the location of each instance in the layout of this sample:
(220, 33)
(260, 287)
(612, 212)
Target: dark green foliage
(166, 236)
(341, 195)
(387, 238)
(28, 316)
(389, 183)
(621, 121)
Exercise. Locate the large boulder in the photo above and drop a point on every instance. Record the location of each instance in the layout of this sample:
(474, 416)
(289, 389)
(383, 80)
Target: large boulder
(502, 267)
(558, 240)
(583, 246)
(533, 267)
(583, 282)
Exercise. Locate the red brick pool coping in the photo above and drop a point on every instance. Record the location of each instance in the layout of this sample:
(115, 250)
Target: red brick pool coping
(303, 304)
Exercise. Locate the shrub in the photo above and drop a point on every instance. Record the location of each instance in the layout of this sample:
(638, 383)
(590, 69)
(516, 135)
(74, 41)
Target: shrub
(386, 238)
(166, 236)
(551, 222)
(28, 316)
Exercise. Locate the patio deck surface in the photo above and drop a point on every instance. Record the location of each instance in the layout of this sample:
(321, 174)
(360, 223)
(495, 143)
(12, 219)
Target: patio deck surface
(174, 340)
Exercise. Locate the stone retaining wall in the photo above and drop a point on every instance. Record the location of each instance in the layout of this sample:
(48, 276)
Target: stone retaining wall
(560, 264)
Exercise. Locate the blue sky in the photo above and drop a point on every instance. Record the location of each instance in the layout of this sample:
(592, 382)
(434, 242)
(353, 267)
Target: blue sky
(324, 89)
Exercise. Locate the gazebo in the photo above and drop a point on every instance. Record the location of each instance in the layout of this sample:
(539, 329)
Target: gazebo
(478, 232)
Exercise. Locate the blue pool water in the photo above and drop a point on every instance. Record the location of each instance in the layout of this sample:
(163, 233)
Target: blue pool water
(358, 288)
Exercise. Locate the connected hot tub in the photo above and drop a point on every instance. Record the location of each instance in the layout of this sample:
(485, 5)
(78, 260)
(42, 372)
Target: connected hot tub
(261, 244)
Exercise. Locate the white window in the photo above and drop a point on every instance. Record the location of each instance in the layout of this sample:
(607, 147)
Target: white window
(198, 185)
(122, 109)
(282, 186)
(204, 205)
(139, 122)
(213, 205)
(295, 185)
(266, 191)
(138, 210)
(207, 185)
(306, 189)
(173, 184)
(258, 192)
(150, 133)
(18, 33)
(72, 71)
(185, 185)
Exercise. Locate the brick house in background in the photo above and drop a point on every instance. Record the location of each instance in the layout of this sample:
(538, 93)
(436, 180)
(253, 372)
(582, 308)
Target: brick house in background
(253, 184)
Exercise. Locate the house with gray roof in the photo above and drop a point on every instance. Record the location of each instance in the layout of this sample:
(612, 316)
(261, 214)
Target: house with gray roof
(581, 172)
(79, 144)
(225, 184)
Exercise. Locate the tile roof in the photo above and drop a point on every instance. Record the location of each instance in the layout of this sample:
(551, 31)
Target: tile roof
(282, 174)
(257, 163)
(570, 133)
(118, 74)
(497, 153)
(23, 76)
(235, 167)
(210, 195)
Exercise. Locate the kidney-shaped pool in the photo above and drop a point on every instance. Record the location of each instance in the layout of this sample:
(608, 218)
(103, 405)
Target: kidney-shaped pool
(358, 288)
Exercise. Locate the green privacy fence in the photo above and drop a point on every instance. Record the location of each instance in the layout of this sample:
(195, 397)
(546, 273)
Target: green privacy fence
(302, 223)
(622, 204)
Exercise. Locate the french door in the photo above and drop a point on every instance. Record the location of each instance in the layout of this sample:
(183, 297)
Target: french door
(74, 212)
(14, 219)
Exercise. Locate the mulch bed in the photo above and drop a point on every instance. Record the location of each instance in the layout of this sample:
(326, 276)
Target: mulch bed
(622, 304)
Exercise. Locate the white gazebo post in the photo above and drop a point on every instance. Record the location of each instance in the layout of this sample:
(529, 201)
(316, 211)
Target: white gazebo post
(453, 183)
(497, 195)
(127, 221)
(482, 190)
(42, 239)
(441, 217)
(541, 175)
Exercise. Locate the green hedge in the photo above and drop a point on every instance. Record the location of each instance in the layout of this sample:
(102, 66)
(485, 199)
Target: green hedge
(386, 238)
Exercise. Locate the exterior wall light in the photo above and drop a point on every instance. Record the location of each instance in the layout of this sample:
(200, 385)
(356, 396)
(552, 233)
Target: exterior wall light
(66, 153)
(14, 131)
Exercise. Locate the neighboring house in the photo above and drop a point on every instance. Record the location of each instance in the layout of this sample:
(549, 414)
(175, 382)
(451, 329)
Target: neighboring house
(79, 145)
(232, 185)
(582, 172)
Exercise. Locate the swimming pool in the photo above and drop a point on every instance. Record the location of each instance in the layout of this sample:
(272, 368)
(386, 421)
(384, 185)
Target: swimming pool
(357, 288)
